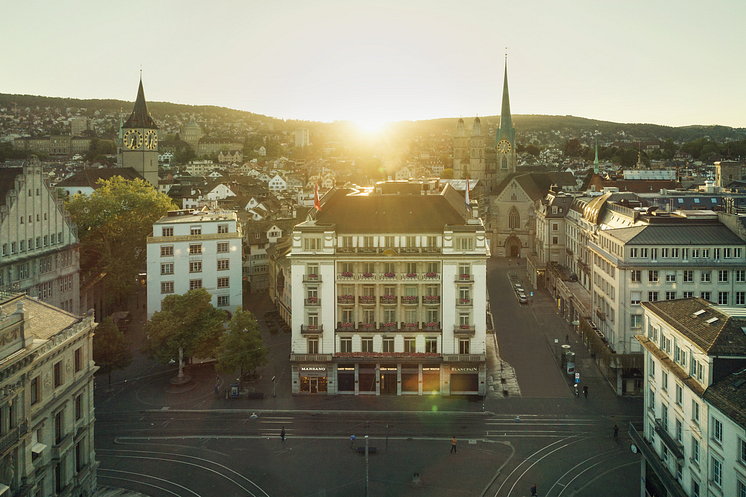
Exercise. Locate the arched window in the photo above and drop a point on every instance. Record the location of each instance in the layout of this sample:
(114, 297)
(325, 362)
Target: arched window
(514, 218)
(505, 163)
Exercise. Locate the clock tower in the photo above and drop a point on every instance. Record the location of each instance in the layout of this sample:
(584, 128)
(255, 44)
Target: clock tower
(505, 137)
(139, 141)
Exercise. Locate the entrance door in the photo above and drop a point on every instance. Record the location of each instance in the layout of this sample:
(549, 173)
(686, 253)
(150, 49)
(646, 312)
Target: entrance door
(388, 383)
(314, 385)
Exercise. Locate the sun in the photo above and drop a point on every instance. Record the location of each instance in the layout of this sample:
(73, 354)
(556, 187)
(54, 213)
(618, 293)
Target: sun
(370, 124)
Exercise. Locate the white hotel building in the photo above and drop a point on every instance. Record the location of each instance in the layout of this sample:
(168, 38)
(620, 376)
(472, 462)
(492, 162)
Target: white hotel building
(389, 293)
(193, 249)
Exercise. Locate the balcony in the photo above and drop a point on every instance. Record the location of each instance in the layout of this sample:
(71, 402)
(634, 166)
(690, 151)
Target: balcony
(431, 299)
(345, 299)
(464, 278)
(367, 299)
(654, 462)
(345, 275)
(390, 326)
(311, 278)
(311, 329)
(59, 450)
(370, 327)
(410, 326)
(465, 358)
(388, 277)
(388, 299)
(310, 357)
(410, 277)
(13, 437)
(431, 277)
(366, 276)
(464, 302)
(312, 301)
(345, 326)
(676, 447)
(464, 329)
(431, 326)
(410, 300)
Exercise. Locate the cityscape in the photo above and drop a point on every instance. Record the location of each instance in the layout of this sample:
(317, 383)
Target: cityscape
(347, 278)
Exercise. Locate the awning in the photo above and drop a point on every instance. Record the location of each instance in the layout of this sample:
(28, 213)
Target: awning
(38, 448)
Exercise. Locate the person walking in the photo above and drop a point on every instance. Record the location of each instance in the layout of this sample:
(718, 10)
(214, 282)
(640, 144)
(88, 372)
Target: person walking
(282, 434)
(453, 445)
(352, 441)
(533, 490)
(585, 391)
(616, 433)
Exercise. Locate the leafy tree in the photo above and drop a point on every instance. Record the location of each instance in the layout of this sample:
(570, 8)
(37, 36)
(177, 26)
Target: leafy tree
(114, 223)
(99, 148)
(184, 155)
(447, 173)
(111, 349)
(533, 149)
(242, 347)
(573, 148)
(187, 325)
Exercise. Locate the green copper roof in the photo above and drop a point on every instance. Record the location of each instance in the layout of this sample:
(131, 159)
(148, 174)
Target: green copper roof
(140, 118)
(506, 130)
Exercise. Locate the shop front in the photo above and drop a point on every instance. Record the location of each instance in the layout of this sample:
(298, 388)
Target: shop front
(430, 379)
(389, 380)
(410, 378)
(313, 379)
(366, 379)
(346, 378)
(465, 379)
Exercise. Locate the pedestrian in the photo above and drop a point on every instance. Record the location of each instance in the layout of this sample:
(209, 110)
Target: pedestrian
(585, 391)
(453, 445)
(352, 441)
(282, 434)
(616, 433)
(533, 490)
(567, 338)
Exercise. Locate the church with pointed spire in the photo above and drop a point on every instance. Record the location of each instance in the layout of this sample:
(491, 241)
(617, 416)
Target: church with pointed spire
(138, 141)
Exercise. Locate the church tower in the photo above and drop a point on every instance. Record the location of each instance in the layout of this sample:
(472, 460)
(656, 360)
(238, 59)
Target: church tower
(460, 150)
(477, 159)
(505, 137)
(140, 141)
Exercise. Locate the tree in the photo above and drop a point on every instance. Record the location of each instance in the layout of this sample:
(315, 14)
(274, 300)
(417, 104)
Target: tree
(446, 173)
(573, 148)
(114, 223)
(111, 349)
(242, 347)
(533, 149)
(187, 325)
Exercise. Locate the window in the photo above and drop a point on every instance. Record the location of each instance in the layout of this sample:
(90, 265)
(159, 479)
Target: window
(410, 346)
(222, 247)
(431, 345)
(740, 489)
(652, 276)
(223, 264)
(78, 359)
(464, 243)
(224, 282)
(652, 296)
(679, 394)
(688, 276)
(195, 284)
(635, 321)
(664, 416)
(58, 427)
(388, 345)
(670, 276)
(345, 344)
(633, 252)
(635, 298)
(367, 344)
(389, 241)
(464, 271)
(224, 300)
(717, 431)
(740, 298)
(695, 411)
(688, 295)
(695, 450)
(367, 242)
(651, 400)
(644, 253)
(514, 219)
(196, 230)
(78, 407)
(58, 374)
(737, 253)
(717, 472)
(195, 249)
(463, 346)
(664, 381)
(432, 241)
(651, 367)
(705, 276)
(167, 232)
(195, 266)
(222, 228)
(635, 273)
(35, 388)
(705, 296)
(670, 295)
(410, 240)
(722, 298)
(313, 345)
(716, 254)
(167, 287)
(555, 240)
(723, 276)
(679, 430)
(664, 252)
(167, 268)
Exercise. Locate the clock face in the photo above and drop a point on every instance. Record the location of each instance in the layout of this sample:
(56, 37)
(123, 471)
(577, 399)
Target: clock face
(133, 139)
(503, 146)
(151, 139)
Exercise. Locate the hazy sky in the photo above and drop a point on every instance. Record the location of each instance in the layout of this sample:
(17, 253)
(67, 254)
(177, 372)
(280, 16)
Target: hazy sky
(666, 62)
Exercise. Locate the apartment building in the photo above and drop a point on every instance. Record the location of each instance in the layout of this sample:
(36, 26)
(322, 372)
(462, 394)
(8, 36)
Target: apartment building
(389, 293)
(46, 399)
(693, 436)
(193, 249)
(38, 240)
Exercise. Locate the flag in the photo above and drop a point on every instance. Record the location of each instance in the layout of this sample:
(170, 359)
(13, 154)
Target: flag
(466, 195)
(316, 201)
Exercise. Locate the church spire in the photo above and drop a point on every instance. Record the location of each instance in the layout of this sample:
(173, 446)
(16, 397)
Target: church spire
(506, 131)
(140, 117)
(595, 161)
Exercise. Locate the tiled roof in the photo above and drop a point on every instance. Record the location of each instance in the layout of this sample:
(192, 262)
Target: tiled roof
(89, 177)
(677, 234)
(729, 396)
(723, 336)
(45, 320)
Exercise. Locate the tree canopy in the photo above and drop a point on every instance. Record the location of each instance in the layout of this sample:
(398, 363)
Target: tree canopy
(188, 322)
(113, 224)
(242, 347)
(111, 349)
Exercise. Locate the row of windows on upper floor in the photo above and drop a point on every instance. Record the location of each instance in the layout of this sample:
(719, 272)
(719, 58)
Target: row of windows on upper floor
(684, 253)
(389, 242)
(194, 249)
(27, 245)
(348, 268)
(679, 351)
(705, 275)
(723, 298)
(193, 230)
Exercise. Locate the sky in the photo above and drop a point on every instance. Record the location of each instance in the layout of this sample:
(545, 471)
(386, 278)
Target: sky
(670, 62)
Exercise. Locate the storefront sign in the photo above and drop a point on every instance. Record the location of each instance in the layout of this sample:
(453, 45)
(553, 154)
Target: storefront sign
(388, 369)
(459, 369)
(346, 368)
(313, 371)
(431, 369)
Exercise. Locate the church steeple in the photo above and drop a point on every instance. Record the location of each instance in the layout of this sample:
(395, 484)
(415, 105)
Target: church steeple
(595, 161)
(140, 117)
(506, 131)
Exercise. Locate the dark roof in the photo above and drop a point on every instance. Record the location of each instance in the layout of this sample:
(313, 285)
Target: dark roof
(8, 180)
(722, 337)
(729, 396)
(634, 185)
(685, 233)
(140, 117)
(537, 184)
(89, 177)
(376, 213)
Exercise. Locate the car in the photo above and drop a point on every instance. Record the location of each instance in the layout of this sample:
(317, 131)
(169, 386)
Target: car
(518, 287)
(522, 299)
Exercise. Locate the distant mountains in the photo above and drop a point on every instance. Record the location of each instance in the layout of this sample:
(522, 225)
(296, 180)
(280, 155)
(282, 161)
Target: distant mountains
(567, 125)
